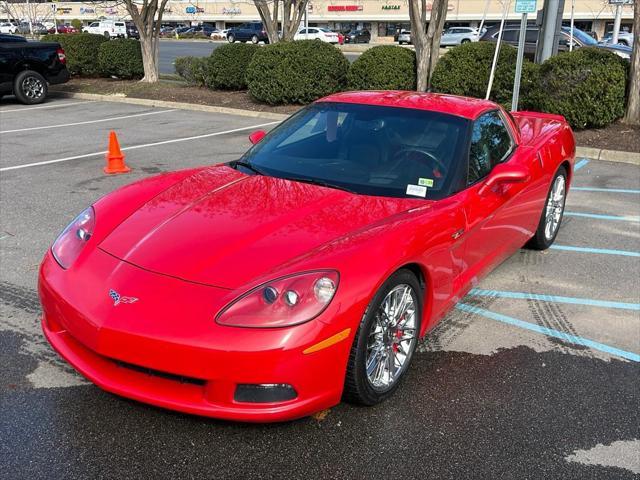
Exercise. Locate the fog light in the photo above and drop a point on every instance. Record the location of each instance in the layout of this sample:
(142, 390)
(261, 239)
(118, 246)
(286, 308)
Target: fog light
(264, 392)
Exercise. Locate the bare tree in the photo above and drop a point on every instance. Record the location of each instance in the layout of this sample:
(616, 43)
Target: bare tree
(426, 39)
(632, 115)
(286, 12)
(147, 17)
(31, 12)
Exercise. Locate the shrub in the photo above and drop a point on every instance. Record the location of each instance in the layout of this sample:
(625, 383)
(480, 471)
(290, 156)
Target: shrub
(586, 86)
(121, 58)
(386, 67)
(227, 66)
(192, 69)
(77, 24)
(81, 50)
(465, 70)
(296, 72)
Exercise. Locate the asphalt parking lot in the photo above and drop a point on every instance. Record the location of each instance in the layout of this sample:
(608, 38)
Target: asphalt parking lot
(534, 375)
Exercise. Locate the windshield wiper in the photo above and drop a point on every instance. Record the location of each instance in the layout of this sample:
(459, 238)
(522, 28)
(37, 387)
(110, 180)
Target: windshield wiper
(247, 165)
(320, 183)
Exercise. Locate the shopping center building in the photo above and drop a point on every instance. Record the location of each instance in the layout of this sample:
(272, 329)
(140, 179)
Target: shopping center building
(383, 18)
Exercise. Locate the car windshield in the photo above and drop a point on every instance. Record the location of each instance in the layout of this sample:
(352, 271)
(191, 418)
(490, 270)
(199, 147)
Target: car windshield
(366, 149)
(582, 37)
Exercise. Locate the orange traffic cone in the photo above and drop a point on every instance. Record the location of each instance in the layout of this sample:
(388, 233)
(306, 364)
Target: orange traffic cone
(115, 158)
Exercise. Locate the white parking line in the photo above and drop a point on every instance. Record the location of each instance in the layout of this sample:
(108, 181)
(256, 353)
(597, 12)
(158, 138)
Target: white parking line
(145, 145)
(46, 106)
(88, 121)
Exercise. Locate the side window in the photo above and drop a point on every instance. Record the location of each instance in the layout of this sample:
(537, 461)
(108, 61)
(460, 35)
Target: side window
(510, 36)
(303, 31)
(490, 145)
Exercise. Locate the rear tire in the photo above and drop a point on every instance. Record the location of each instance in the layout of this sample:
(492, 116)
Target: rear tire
(254, 40)
(465, 40)
(30, 87)
(106, 35)
(374, 342)
(552, 213)
(231, 38)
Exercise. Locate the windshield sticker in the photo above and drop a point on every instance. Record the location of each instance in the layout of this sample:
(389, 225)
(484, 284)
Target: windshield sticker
(416, 190)
(425, 182)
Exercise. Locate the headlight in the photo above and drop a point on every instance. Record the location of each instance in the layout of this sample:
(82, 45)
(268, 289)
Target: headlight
(282, 302)
(70, 242)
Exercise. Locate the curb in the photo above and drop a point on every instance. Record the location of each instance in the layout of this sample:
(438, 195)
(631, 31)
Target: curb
(608, 155)
(179, 105)
(586, 152)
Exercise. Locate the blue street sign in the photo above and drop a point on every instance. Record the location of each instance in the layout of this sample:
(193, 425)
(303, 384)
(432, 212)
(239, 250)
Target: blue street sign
(525, 6)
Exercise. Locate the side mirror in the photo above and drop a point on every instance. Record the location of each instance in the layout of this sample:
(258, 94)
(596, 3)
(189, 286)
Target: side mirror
(256, 136)
(505, 173)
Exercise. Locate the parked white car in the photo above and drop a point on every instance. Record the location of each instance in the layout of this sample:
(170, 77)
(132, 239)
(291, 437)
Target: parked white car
(8, 27)
(458, 35)
(108, 28)
(404, 37)
(313, 33)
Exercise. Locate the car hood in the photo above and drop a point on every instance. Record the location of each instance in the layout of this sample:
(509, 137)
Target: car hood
(223, 228)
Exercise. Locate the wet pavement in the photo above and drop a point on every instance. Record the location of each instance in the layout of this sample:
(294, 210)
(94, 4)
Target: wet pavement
(534, 375)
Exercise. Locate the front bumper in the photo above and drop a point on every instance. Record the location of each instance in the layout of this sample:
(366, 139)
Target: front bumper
(166, 354)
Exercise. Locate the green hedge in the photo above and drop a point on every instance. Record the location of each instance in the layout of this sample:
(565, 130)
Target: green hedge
(81, 50)
(465, 69)
(586, 86)
(386, 67)
(121, 58)
(192, 69)
(227, 66)
(296, 72)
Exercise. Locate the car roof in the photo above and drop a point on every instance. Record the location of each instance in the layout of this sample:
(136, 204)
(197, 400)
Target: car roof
(465, 107)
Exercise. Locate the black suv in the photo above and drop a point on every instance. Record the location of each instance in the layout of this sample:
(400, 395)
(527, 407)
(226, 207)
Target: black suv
(253, 31)
(358, 36)
(511, 35)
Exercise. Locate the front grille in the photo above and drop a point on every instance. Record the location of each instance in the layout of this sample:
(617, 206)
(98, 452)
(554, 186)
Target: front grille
(158, 373)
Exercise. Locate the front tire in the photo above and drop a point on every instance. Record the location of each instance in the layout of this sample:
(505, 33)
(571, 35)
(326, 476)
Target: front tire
(30, 87)
(254, 40)
(465, 40)
(231, 38)
(385, 342)
(551, 216)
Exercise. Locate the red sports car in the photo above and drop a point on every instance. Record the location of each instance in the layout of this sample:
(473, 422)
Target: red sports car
(305, 272)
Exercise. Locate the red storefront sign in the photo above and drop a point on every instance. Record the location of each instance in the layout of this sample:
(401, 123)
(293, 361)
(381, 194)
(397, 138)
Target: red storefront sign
(344, 8)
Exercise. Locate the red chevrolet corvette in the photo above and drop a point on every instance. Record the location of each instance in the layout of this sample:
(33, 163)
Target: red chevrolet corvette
(305, 272)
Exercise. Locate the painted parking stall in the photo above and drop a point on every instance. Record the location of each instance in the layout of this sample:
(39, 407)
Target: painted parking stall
(534, 374)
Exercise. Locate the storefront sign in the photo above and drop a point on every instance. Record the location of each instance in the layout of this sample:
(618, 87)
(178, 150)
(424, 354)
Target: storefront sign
(344, 8)
(87, 11)
(192, 9)
(63, 10)
(110, 11)
(231, 11)
(390, 7)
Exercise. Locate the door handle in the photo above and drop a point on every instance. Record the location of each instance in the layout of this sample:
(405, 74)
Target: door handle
(457, 234)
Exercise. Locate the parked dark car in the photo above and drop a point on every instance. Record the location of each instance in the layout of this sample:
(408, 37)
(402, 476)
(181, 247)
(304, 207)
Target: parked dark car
(253, 31)
(204, 30)
(580, 39)
(358, 36)
(28, 68)
(132, 31)
(5, 37)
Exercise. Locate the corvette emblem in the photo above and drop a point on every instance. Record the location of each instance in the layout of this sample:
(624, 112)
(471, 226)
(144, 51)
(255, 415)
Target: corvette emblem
(117, 298)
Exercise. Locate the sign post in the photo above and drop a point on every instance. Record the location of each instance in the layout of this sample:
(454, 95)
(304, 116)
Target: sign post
(525, 7)
(54, 7)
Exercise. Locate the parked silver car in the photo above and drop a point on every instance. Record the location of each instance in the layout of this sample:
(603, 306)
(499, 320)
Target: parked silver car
(624, 38)
(458, 35)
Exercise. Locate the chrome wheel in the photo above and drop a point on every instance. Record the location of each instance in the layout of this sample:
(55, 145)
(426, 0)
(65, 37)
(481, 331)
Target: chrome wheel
(391, 338)
(32, 88)
(555, 207)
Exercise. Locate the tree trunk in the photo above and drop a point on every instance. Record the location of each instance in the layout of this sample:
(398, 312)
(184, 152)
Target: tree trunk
(426, 40)
(149, 49)
(270, 22)
(292, 12)
(632, 115)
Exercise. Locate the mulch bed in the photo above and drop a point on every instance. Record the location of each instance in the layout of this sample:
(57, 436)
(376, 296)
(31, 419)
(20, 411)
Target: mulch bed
(172, 91)
(616, 136)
